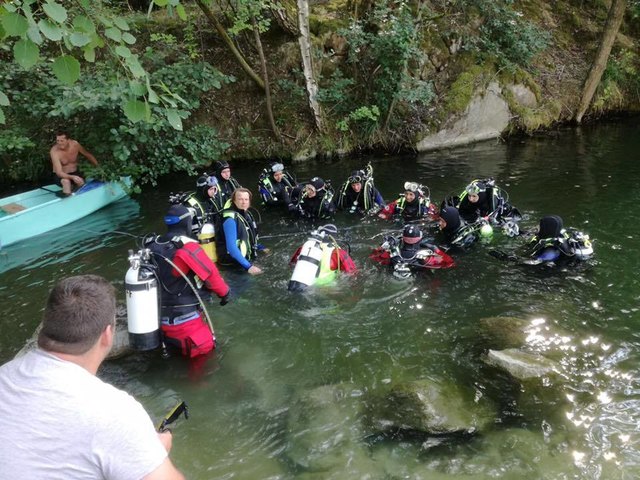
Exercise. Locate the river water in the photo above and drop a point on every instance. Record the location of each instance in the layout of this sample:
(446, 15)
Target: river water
(370, 330)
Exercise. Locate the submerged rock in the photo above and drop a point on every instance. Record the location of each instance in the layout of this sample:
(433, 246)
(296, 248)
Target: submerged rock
(501, 333)
(324, 430)
(521, 365)
(427, 406)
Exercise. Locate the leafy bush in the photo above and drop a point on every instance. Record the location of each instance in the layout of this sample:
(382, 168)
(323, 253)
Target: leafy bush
(381, 46)
(505, 35)
(91, 111)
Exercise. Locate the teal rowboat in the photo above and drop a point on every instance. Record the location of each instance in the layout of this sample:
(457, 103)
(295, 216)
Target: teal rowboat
(38, 211)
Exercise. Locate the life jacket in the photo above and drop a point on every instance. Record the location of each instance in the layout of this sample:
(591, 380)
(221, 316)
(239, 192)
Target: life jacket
(176, 294)
(361, 201)
(225, 190)
(270, 190)
(419, 257)
(570, 243)
(493, 203)
(464, 236)
(318, 206)
(414, 210)
(246, 231)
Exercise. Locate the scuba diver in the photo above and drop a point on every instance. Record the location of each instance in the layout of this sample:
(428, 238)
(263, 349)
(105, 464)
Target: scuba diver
(313, 200)
(181, 265)
(226, 183)
(358, 194)
(237, 242)
(456, 233)
(274, 185)
(413, 205)
(483, 198)
(319, 259)
(552, 244)
(410, 253)
(204, 201)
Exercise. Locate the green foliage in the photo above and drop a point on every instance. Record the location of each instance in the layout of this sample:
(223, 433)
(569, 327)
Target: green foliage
(381, 46)
(621, 78)
(337, 93)
(50, 31)
(505, 34)
(364, 119)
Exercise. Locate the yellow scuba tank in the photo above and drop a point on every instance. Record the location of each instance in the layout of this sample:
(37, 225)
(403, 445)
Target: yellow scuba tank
(207, 238)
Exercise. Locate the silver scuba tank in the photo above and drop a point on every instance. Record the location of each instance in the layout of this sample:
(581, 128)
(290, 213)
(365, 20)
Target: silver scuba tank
(141, 289)
(307, 267)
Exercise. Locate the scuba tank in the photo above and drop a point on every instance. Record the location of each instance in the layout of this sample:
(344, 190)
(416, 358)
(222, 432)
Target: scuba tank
(141, 289)
(580, 244)
(308, 265)
(207, 238)
(313, 255)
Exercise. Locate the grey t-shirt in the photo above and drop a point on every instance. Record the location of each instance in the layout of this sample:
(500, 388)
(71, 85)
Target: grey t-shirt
(58, 421)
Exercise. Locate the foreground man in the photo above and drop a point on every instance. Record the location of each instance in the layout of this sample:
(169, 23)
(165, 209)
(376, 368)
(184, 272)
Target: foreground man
(57, 419)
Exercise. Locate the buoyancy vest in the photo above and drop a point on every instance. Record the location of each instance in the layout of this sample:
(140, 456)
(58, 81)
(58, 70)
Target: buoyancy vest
(246, 232)
(176, 292)
(320, 206)
(414, 210)
(353, 201)
(272, 191)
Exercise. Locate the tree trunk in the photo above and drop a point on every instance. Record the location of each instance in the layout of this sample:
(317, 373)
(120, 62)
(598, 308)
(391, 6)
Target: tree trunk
(265, 76)
(307, 64)
(611, 27)
(284, 14)
(236, 53)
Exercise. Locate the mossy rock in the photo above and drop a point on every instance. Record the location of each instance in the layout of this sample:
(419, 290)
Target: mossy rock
(322, 427)
(519, 364)
(429, 406)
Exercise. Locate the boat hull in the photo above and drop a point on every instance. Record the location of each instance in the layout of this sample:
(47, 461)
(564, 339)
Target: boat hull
(38, 211)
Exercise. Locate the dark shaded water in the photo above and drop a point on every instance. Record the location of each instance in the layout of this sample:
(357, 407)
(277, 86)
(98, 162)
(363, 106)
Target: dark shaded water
(371, 330)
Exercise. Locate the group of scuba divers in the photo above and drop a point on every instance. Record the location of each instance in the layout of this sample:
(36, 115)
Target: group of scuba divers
(215, 225)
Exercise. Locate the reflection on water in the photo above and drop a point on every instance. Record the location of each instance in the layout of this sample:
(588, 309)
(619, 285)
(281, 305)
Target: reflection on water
(283, 397)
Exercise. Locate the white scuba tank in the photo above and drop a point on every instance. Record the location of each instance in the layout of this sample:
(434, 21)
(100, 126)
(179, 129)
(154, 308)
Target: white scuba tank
(141, 289)
(307, 267)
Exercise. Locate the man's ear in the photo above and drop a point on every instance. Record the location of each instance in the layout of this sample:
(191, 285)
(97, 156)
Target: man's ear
(106, 338)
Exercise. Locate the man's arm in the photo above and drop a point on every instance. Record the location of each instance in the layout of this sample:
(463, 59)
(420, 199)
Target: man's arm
(166, 471)
(87, 154)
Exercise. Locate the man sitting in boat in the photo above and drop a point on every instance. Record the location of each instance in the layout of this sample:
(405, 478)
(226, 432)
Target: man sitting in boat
(319, 259)
(410, 253)
(64, 159)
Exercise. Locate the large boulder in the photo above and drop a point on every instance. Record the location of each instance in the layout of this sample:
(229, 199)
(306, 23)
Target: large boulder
(536, 335)
(323, 429)
(521, 365)
(486, 117)
(427, 406)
